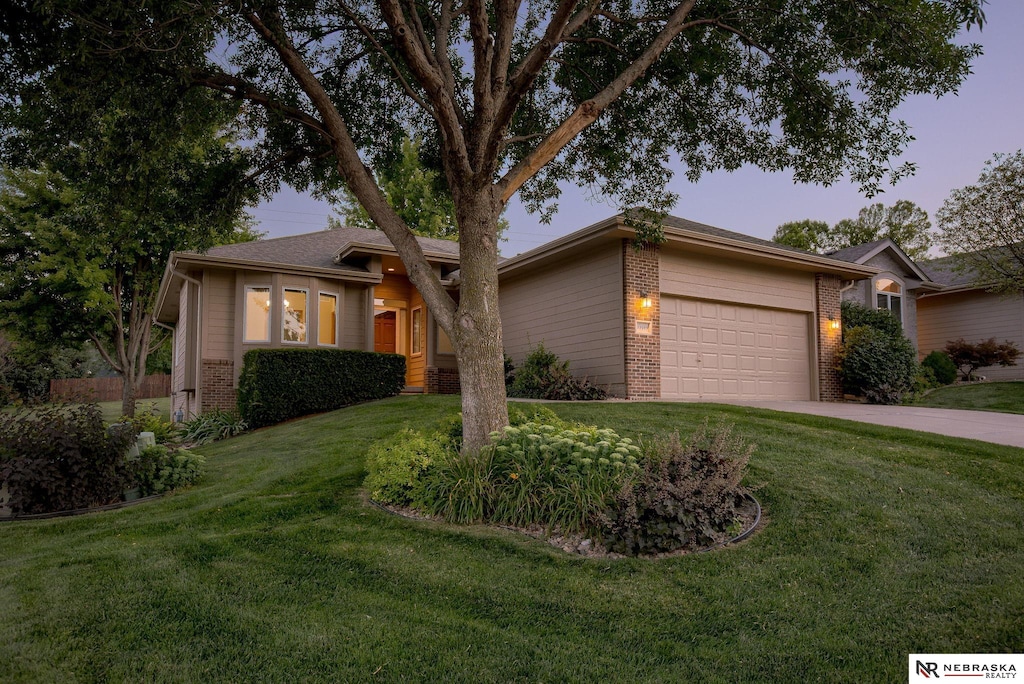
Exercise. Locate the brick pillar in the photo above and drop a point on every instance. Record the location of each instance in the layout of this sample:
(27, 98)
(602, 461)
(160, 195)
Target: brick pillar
(643, 343)
(827, 304)
(218, 385)
(442, 381)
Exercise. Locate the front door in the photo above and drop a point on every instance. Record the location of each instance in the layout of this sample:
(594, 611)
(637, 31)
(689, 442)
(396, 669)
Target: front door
(384, 332)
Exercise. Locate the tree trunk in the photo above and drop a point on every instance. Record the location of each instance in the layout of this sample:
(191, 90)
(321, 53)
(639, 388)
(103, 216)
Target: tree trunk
(476, 334)
(129, 391)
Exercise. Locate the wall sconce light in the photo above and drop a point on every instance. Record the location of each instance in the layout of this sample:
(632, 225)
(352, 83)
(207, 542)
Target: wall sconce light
(645, 300)
(833, 323)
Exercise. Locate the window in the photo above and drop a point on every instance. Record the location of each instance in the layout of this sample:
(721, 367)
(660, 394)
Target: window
(295, 316)
(327, 333)
(417, 330)
(257, 314)
(889, 295)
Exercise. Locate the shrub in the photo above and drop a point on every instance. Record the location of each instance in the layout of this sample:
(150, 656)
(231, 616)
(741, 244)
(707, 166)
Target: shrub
(211, 426)
(855, 315)
(149, 420)
(56, 458)
(278, 384)
(970, 357)
(158, 469)
(398, 467)
(686, 497)
(536, 474)
(942, 367)
(880, 366)
(543, 376)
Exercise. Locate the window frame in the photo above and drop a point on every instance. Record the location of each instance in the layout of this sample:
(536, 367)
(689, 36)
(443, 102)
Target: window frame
(319, 320)
(889, 296)
(284, 297)
(416, 331)
(245, 313)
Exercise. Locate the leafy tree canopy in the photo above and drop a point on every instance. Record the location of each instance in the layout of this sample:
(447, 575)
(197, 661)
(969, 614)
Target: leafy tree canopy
(904, 223)
(982, 225)
(517, 97)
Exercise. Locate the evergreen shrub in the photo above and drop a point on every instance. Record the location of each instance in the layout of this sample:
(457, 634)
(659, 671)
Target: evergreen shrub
(278, 384)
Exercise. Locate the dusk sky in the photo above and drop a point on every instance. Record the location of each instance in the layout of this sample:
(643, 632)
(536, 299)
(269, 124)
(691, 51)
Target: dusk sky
(955, 136)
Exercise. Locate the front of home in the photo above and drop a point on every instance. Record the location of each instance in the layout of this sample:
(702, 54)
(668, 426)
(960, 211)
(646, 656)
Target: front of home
(709, 314)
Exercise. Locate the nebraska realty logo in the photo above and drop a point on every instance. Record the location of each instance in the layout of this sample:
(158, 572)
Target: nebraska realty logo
(930, 666)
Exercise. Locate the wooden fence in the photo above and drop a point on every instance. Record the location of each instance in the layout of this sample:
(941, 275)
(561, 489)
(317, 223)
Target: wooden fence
(107, 389)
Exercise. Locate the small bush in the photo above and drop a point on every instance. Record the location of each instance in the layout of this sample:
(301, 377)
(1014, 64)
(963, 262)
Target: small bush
(543, 376)
(279, 384)
(687, 496)
(970, 357)
(398, 468)
(942, 367)
(56, 458)
(148, 420)
(211, 426)
(158, 469)
(880, 366)
(855, 315)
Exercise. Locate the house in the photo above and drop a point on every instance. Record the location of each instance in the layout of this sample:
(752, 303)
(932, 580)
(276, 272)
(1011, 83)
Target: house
(897, 286)
(343, 288)
(708, 314)
(962, 308)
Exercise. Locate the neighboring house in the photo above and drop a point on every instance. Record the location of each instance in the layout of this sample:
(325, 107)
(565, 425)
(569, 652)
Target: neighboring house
(964, 309)
(897, 286)
(709, 314)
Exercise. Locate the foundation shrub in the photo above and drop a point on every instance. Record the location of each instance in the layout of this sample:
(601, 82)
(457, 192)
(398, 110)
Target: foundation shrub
(877, 365)
(278, 384)
(63, 457)
(941, 366)
(148, 419)
(543, 376)
(400, 467)
(211, 426)
(686, 496)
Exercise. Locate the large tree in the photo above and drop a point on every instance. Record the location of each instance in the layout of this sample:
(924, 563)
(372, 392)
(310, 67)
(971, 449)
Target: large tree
(83, 249)
(904, 223)
(517, 97)
(982, 225)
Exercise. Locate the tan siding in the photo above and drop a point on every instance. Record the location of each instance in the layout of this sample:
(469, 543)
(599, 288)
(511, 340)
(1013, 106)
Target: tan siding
(575, 309)
(178, 399)
(706, 277)
(353, 326)
(219, 315)
(416, 364)
(974, 316)
(393, 287)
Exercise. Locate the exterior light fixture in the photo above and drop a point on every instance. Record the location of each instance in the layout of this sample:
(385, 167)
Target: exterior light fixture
(391, 270)
(645, 300)
(833, 323)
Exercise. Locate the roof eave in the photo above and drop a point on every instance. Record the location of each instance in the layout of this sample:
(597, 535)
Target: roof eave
(385, 250)
(256, 265)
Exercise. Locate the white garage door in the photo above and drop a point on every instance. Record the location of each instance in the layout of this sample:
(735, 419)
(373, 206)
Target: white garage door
(721, 351)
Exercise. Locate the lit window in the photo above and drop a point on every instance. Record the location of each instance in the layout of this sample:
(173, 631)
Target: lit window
(328, 319)
(417, 330)
(295, 316)
(889, 296)
(257, 314)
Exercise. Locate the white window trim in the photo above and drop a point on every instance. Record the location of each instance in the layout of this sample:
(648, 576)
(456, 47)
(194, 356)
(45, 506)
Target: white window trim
(245, 313)
(902, 294)
(284, 296)
(319, 323)
(413, 336)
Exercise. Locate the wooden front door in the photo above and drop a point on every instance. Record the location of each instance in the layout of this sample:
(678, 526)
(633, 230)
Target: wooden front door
(384, 332)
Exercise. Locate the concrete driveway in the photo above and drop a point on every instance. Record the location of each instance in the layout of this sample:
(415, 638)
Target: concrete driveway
(998, 428)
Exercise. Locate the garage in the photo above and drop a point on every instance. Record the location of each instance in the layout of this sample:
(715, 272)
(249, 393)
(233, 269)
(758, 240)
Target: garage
(722, 351)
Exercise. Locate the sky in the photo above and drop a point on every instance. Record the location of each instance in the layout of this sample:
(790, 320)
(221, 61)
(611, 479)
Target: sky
(954, 137)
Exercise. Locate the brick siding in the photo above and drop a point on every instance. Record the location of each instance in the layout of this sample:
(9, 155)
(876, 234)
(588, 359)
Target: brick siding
(218, 386)
(827, 304)
(442, 381)
(643, 352)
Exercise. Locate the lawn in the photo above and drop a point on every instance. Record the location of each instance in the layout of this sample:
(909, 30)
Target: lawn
(1003, 397)
(112, 409)
(879, 543)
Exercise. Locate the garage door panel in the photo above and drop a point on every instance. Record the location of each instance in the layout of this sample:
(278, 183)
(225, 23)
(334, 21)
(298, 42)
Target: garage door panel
(713, 350)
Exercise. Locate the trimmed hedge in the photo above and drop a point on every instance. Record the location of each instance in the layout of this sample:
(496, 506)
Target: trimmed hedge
(278, 384)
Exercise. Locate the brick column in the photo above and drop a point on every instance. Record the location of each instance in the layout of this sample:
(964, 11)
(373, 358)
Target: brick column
(218, 385)
(642, 351)
(442, 381)
(827, 304)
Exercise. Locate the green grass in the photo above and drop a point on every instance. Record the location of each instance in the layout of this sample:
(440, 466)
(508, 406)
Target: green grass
(880, 543)
(112, 409)
(1003, 397)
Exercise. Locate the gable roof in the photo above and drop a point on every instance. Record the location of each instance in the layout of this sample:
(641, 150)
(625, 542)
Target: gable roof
(861, 254)
(944, 272)
(855, 253)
